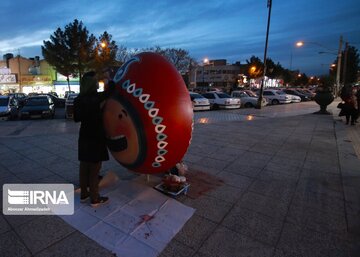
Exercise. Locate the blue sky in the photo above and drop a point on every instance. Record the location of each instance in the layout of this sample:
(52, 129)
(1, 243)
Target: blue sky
(231, 29)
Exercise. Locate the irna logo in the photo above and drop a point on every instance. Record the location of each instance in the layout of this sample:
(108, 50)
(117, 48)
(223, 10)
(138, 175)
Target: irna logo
(36, 197)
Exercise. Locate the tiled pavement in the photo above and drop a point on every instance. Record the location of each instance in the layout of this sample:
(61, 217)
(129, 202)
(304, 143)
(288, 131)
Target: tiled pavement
(291, 189)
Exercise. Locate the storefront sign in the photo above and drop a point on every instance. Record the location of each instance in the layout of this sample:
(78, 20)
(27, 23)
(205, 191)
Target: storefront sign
(29, 79)
(11, 78)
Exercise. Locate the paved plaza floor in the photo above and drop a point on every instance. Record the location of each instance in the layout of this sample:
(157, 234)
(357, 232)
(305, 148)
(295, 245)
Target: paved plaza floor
(290, 186)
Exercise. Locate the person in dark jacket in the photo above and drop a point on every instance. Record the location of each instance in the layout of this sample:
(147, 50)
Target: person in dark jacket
(358, 103)
(92, 148)
(349, 107)
(346, 92)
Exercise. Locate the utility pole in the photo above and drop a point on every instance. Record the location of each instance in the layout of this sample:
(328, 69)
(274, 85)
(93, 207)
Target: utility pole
(345, 61)
(269, 4)
(195, 74)
(338, 67)
(19, 73)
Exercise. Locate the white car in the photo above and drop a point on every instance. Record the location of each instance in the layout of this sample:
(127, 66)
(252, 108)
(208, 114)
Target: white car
(295, 98)
(69, 105)
(276, 97)
(199, 102)
(247, 100)
(221, 100)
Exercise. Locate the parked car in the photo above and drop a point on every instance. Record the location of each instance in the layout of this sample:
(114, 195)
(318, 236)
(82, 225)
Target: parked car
(295, 98)
(250, 93)
(247, 100)
(276, 97)
(306, 92)
(40, 106)
(69, 106)
(221, 100)
(58, 102)
(20, 97)
(303, 97)
(33, 94)
(54, 93)
(199, 102)
(9, 107)
(67, 93)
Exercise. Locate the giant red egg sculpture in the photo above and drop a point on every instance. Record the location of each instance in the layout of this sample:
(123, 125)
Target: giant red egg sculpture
(149, 118)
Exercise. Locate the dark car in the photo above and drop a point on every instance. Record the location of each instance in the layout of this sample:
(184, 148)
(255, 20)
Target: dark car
(9, 107)
(297, 93)
(69, 106)
(306, 92)
(59, 102)
(54, 93)
(33, 94)
(40, 106)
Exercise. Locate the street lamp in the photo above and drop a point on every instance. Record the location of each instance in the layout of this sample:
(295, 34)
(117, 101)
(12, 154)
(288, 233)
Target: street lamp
(205, 61)
(269, 4)
(301, 43)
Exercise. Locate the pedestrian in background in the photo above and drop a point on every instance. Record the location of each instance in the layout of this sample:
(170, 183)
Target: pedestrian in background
(358, 103)
(349, 107)
(92, 150)
(345, 92)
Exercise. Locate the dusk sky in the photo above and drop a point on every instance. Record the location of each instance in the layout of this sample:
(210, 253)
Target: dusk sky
(232, 29)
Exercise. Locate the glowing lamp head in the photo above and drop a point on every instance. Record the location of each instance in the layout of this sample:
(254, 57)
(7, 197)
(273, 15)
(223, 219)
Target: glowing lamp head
(299, 44)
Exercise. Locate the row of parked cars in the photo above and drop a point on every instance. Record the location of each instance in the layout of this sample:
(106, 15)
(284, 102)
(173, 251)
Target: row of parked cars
(40, 106)
(19, 105)
(248, 98)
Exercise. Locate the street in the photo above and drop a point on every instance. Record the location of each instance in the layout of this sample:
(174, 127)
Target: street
(289, 186)
(59, 124)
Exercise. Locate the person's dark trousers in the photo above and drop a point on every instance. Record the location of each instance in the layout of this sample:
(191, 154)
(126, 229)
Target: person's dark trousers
(89, 172)
(353, 115)
(347, 116)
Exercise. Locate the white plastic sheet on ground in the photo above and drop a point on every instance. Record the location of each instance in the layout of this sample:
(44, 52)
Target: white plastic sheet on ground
(138, 220)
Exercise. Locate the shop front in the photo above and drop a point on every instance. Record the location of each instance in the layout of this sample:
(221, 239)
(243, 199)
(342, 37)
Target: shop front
(8, 81)
(61, 85)
(36, 84)
(8, 84)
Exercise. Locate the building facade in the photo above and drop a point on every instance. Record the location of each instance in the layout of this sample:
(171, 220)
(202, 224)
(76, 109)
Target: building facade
(215, 74)
(25, 75)
(32, 75)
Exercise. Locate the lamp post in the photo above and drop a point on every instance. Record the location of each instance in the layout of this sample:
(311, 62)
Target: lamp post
(269, 4)
(339, 55)
(102, 53)
(338, 68)
(205, 61)
(20, 85)
(345, 62)
(190, 71)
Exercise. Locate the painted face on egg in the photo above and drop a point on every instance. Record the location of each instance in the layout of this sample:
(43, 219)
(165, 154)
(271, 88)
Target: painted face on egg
(123, 131)
(149, 118)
